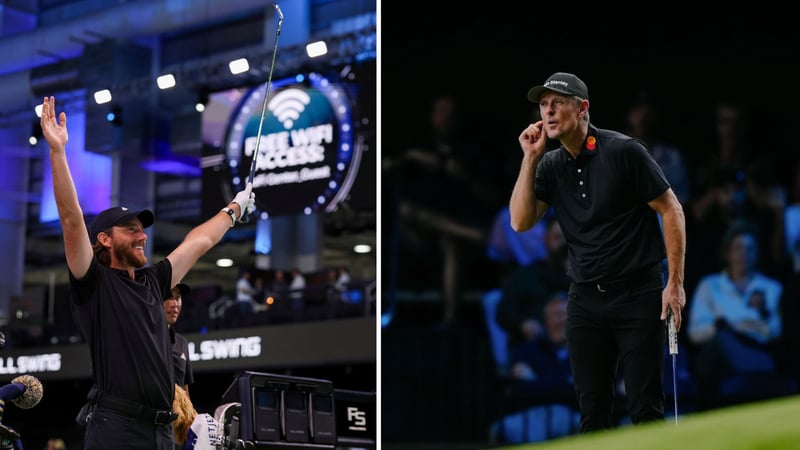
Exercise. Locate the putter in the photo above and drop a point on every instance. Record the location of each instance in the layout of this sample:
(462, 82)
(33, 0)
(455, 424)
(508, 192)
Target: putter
(267, 89)
(673, 350)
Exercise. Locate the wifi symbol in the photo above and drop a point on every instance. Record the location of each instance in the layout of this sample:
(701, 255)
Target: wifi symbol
(288, 105)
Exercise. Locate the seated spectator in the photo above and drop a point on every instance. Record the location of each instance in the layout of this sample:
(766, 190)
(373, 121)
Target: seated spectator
(527, 288)
(644, 123)
(508, 247)
(734, 321)
(541, 382)
(790, 303)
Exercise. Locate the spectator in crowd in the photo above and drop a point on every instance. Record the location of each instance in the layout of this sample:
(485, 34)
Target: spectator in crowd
(297, 294)
(729, 155)
(541, 381)
(792, 221)
(707, 220)
(244, 299)
(443, 203)
(734, 320)
(526, 289)
(343, 279)
(180, 346)
(790, 303)
(765, 205)
(278, 288)
(333, 296)
(511, 249)
(644, 124)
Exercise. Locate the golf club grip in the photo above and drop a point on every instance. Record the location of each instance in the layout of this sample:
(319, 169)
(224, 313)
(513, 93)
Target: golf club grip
(673, 334)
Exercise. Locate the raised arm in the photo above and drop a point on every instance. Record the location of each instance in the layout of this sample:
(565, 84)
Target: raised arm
(206, 235)
(77, 247)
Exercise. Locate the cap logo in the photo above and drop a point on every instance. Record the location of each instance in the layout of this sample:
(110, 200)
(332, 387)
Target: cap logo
(552, 82)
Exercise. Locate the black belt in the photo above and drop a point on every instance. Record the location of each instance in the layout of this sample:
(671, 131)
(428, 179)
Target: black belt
(135, 410)
(631, 280)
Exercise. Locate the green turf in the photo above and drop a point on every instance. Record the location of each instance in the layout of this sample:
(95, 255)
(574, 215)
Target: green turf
(771, 425)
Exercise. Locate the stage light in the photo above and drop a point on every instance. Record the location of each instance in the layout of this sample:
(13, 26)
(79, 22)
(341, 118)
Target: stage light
(362, 248)
(36, 133)
(316, 49)
(224, 262)
(115, 115)
(102, 96)
(202, 100)
(166, 81)
(238, 66)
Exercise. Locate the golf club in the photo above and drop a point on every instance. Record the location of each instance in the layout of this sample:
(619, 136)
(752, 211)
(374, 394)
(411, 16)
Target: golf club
(673, 350)
(267, 89)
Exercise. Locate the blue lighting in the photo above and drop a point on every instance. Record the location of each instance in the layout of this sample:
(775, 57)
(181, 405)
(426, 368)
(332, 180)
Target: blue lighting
(91, 173)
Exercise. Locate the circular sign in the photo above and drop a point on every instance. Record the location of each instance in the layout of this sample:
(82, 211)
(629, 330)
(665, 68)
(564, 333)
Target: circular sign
(305, 160)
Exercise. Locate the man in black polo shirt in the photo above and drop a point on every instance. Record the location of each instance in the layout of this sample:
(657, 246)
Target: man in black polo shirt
(117, 303)
(180, 346)
(607, 192)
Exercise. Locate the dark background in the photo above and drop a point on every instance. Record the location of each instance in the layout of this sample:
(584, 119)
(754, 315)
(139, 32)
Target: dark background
(438, 384)
(490, 57)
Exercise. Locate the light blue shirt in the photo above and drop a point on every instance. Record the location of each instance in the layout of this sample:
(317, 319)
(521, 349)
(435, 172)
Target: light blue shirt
(716, 297)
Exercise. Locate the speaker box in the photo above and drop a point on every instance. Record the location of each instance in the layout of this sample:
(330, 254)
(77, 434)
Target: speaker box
(295, 416)
(323, 420)
(266, 414)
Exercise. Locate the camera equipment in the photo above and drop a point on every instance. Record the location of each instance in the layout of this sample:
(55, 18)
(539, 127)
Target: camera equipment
(263, 410)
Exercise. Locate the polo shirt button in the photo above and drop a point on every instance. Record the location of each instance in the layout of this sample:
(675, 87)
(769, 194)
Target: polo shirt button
(579, 170)
(583, 195)
(581, 183)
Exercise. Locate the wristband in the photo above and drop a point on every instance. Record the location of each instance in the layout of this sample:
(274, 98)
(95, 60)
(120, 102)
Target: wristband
(231, 213)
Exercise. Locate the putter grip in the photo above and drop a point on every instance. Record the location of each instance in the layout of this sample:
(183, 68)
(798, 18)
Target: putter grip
(673, 334)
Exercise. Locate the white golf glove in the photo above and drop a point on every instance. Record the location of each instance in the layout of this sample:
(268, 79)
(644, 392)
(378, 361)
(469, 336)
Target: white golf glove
(246, 199)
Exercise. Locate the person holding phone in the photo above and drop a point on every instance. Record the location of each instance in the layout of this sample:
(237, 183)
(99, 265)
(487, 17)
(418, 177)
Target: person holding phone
(621, 221)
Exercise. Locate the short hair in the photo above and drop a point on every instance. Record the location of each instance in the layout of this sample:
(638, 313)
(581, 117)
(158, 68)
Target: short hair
(735, 229)
(102, 253)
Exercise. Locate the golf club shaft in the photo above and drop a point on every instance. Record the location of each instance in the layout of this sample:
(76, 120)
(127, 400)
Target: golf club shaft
(675, 388)
(267, 89)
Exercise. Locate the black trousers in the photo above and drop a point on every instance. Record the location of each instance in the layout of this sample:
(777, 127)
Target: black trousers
(617, 326)
(107, 429)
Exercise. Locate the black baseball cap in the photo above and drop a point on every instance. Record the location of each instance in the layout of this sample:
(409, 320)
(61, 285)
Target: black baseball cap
(184, 288)
(563, 83)
(117, 215)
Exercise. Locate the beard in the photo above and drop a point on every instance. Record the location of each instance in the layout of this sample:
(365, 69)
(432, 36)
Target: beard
(129, 256)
